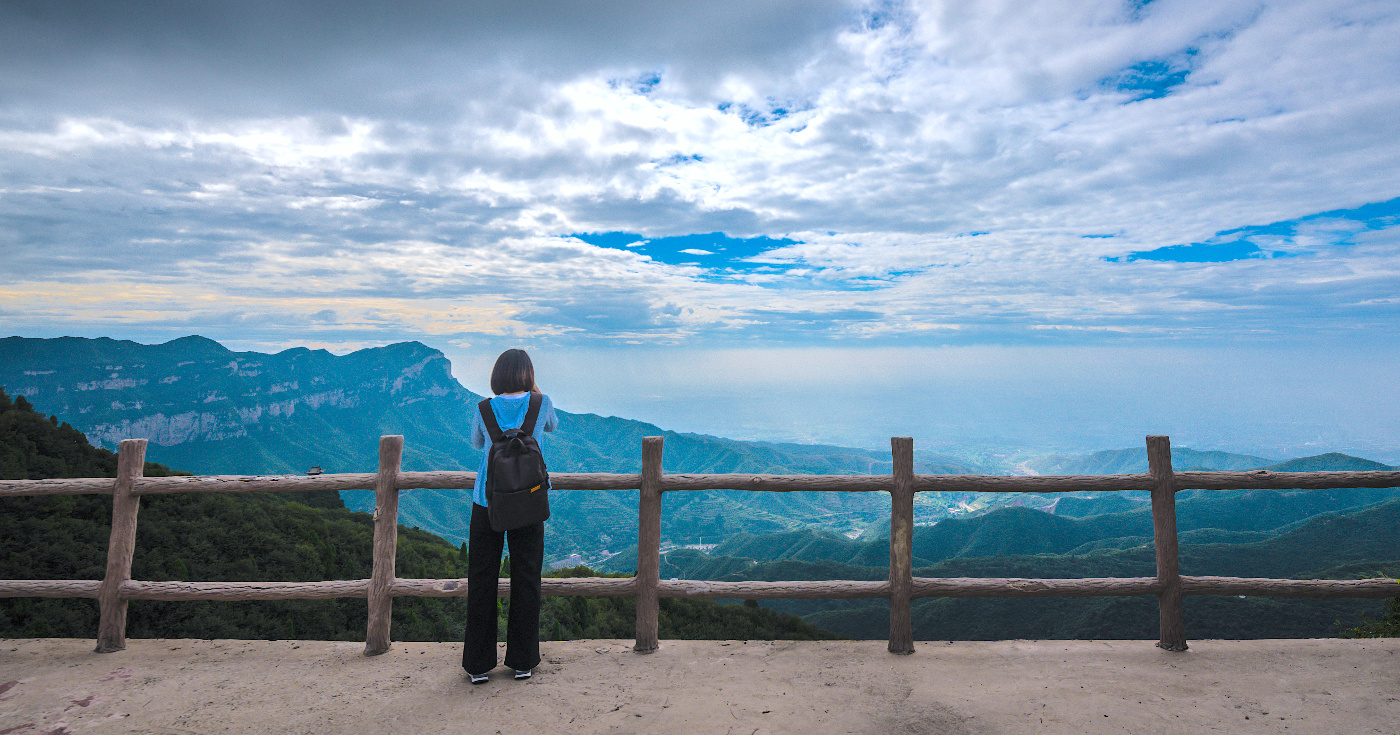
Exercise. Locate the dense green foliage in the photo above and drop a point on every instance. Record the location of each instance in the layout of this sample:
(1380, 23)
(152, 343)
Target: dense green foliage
(33, 448)
(264, 537)
(1387, 627)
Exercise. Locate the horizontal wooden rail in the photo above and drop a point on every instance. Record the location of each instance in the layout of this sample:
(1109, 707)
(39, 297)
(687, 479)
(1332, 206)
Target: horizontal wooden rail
(557, 481)
(593, 481)
(755, 590)
(742, 590)
(551, 586)
(1266, 480)
(779, 483)
(1257, 480)
(1315, 588)
(75, 486)
(1029, 483)
(252, 484)
(50, 587)
(234, 591)
(1032, 587)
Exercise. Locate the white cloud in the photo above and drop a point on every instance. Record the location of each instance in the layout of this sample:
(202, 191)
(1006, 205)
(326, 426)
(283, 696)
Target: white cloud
(940, 164)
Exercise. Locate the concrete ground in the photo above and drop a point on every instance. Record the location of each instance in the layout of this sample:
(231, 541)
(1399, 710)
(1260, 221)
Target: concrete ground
(1327, 687)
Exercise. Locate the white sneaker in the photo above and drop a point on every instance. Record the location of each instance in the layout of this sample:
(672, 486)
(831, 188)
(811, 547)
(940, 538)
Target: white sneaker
(522, 674)
(479, 678)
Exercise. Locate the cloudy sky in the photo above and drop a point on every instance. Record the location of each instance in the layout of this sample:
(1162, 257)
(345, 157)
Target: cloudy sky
(1062, 222)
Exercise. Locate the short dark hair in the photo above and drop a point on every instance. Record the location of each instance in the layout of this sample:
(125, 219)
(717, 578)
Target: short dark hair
(513, 373)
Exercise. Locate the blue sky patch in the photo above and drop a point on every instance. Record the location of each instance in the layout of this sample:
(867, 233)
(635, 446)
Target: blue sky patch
(1201, 252)
(1149, 80)
(679, 158)
(1138, 8)
(715, 250)
(756, 117)
(1240, 243)
(641, 84)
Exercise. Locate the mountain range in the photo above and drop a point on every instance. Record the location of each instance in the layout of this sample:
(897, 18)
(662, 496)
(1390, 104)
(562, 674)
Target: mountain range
(211, 410)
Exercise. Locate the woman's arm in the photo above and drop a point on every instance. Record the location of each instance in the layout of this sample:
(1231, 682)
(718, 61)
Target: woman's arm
(551, 419)
(478, 429)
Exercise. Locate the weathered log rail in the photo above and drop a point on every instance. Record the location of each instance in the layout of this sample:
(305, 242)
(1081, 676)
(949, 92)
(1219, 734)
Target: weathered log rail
(117, 588)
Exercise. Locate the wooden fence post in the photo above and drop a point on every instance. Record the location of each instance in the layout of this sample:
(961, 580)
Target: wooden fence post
(649, 546)
(386, 541)
(902, 545)
(121, 546)
(1159, 465)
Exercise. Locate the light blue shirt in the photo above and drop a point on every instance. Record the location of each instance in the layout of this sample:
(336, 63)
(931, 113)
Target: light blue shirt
(510, 414)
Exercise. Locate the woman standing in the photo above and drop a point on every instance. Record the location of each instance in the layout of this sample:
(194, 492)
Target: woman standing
(513, 381)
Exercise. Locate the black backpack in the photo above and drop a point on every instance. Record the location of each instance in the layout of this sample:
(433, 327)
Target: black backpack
(517, 484)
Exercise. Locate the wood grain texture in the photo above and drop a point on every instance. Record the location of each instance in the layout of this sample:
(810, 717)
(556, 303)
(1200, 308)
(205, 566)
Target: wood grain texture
(1259, 479)
(121, 546)
(594, 481)
(1026, 587)
(557, 481)
(76, 486)
(649, 546)
(50, 588)
(1266, 480)
(1316, 588)
(386, 540)
(445, 480)
(779, 483)
(254, 483)
(1171, 622)
(552, 587)
(702, 589)
(836, 589)
(901, 545)
(1030, 484)
(236, 591)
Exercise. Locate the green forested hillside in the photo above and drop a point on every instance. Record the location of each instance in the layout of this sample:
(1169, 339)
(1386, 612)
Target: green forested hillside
(1201, 517)
(1330, 462)
(1363, 543)
(261, 537)
(33, 448)
(1134, 460)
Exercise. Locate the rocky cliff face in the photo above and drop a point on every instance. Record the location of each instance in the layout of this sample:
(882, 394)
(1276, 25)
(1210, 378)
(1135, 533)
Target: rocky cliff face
(190, 393)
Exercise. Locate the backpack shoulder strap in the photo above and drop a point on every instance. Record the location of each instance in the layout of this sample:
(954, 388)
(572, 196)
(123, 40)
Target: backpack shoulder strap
(532, 414)
(488, 420)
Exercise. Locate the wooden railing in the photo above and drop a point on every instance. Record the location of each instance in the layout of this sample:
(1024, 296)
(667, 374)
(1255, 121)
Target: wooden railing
(117, 588)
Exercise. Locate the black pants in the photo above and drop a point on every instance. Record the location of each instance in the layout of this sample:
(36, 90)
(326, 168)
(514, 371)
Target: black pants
(523, 621)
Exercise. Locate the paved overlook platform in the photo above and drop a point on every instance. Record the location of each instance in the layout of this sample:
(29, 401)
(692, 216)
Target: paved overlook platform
(1327, 687)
